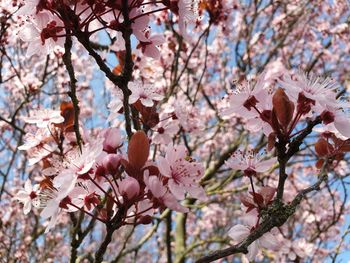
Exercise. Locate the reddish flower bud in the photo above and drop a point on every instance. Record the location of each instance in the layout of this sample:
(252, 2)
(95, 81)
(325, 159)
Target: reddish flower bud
(282, 107)
(138, 149)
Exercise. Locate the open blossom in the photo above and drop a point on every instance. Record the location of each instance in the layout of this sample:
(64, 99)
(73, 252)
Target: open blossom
(183, 175)
(148, 45)
(164, 131)
(250, 162)
(41, 34)
(43, 118)
(116, 104)
(28, 196)
(188, 13)
(32, 140)
(162, 194)
(39, 153)
(245, 98)
(322, 92)
(240, 232)
(79, 165)
(55, 204)
(146, 93)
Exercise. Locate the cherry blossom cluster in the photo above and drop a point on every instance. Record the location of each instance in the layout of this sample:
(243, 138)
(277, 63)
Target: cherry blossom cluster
(277, 109)
(49, 22)
(177, 167)
(98, 178)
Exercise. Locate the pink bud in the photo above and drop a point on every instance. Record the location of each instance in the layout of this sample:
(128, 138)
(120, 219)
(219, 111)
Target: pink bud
(129, 187)
(111, 163)
(113, 140)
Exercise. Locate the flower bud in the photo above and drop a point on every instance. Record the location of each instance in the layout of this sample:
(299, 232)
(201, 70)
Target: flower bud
(111, 163)
(129, 187)
(283, 107)
(113, 140)
(138, 149)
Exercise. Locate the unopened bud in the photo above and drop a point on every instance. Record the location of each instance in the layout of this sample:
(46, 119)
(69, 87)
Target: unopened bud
(111, 163)
(283, 107)
(129, 187)
(138, 149)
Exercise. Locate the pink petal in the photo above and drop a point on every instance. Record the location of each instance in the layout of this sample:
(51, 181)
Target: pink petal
(239, 232)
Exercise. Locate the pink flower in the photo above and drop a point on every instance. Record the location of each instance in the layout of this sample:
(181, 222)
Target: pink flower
(250, 162)
(146, 93)
(240, 232)
(80, 165)
(41, 34)
(164, 131)
(321, 91)
(338, 118)
(116, 104)
(60, 201)
(149, 45)
(183, 175)
(161, 193)
(29, 8)
(28, 196)
(138, 25)
(43, 118)
(33, 140)
(113, 140)
(38, 153)
(245, 99)
(188, 13)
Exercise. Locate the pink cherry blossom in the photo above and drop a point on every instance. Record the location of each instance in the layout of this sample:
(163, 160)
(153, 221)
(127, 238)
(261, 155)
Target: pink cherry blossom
(188, 13)
(245, 98)
(116, 104)
(79, 165)
(149, 45)
(146, 93)
(28, 196)
(162, 194)
(320, 90)
(240, 232)
(183, 175)
(250, 162)
(32, 33)
(164, 131)
(43, 118)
